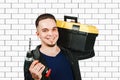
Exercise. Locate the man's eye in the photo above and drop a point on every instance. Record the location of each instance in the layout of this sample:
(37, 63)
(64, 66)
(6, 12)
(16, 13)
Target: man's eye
(44, 30)
(55, 29)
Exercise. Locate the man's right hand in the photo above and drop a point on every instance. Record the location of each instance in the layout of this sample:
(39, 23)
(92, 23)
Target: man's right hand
(36, 69)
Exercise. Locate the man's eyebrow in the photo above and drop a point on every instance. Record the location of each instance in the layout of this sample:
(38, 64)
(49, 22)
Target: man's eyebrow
(55, 27)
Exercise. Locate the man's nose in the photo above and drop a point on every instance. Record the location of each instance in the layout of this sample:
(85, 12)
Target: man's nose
(50, 32)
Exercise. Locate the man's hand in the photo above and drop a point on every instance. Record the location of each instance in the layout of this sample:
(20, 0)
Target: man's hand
(36, 69)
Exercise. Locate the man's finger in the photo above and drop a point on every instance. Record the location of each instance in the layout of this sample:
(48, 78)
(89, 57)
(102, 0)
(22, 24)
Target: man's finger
(33, 64)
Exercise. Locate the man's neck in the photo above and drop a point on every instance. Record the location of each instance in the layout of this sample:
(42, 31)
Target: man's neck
(50, 51)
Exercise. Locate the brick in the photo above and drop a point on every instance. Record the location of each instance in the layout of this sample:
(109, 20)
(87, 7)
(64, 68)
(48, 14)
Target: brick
(18, 6)
(5, 27)
(104, 74)
(105, 21)
(64, 10)
(98, 78)
(58, 5)
(12, 21)
(24, 31)
(103, 11)
(78, 11)
(11, 53)
(11, 64)
(64, 1)
(6, 37)
(30, 27)
(116, 27)
(18, 48)
(11, 10)
(116, 53)
(85, 16)
(1, 32)
(11, 32)
(91, 64)
(2, 74)
(45, 6)
(111, 78)
(17, 16)
(51, 1)
(78, 1)
(31, 16)
(105, 1)
(2, 11)
(98, 69)
(114, 1)
(1, 53)
(111, 59)
(17, 69)
(99, 48)
(91, 1)
(2, 21)
(5, 48)
(38, 1)
(11, 1)
(111, 6)
(112, 69)
(2, 1)
(106, 32)
(112, 48)
(17, 27)
(24, 10)
(73, 5)
(91, 10)
(11, 43)
(112, 16)
(116, 21)
(5, 5)
(18, 59)
(98, 16)
(31, 6)
(98, 58)
(105, 64)
(25, 1)
(82, 5)
(85, 69)
(5, 16)
(11, 74)
(2, 64)
(18, 37)
(23, 43)
(91, 74)
(108, 53)
(24, 21)
(18, 78)
(116, 11)
(112, 37)
(5, 78)
(38, 11)
(98, 6)
(21, 74)
(5, 69)
(91, 21)
(51, 10)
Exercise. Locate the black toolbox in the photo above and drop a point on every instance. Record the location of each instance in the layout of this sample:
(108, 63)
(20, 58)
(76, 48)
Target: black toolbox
(78, 38)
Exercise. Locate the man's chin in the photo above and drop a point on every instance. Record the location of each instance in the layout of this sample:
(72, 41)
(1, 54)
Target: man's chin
(51, 45)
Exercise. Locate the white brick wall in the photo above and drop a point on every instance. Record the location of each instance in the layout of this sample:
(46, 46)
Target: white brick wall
(17, 19)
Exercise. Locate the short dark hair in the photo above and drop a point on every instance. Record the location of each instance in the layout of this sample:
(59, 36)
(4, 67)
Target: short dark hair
(44, 16)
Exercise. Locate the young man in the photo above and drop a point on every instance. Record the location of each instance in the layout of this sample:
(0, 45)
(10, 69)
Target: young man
(63, 64)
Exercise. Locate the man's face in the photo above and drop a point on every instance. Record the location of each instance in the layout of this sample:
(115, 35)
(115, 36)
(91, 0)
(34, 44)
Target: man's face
(47, 31)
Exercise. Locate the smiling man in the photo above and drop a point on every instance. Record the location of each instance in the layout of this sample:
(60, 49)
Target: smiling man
(60, 60)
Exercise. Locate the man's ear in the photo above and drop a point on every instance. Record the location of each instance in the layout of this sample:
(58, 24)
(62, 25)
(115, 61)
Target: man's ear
(37, 33)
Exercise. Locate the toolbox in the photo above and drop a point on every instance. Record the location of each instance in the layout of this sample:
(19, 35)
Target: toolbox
(78, 38)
